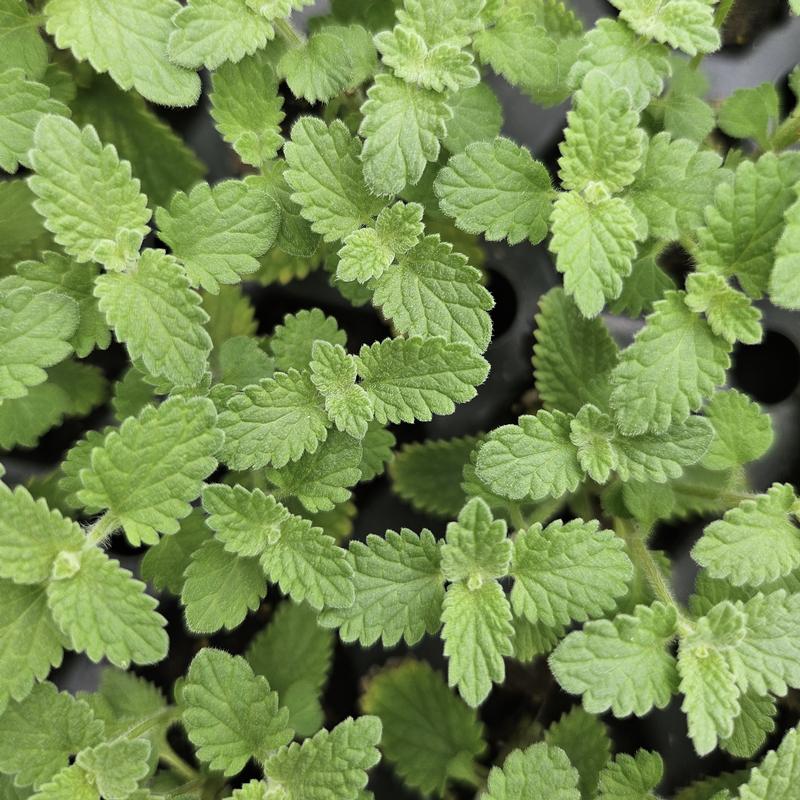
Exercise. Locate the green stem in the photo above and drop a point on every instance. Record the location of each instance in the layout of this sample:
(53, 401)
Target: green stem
(197, 783)
(289, 33)
(177, 764)
(720, 15)
(730, 498)
(101, 529)
(517, 520)
(788, 132)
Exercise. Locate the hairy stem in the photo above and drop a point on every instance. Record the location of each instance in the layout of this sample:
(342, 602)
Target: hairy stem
(788, 132)
(289, 33)
(177, 764)
(101, 529)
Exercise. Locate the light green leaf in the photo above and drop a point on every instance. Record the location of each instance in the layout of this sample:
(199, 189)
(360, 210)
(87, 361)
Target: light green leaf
(628, 60)
(211, 32)
(399, 590)
(427, 749)
(104, 611)
(116, 767)
(327, 178)
(498, 189)
(592, 433)
(321, 479)
(30, 643)
(433, 291)
(778, 774)
(541, 772)
(403, 125)
(40, 734)
(751, 113)
(333, 372)
(415, 378)
(127, 40)
(177, 441)
(330, 766)
(218, 232)
(742, 431)
(602, 148)
(686, 25)
(247, 107)
(293, 341)
(533, 459)
(32, 536)
(730, 313)
(784, 286)
(754, 543)
(317, 69)
(22, 104)
(220, 588)
(442, 20)
(594, 245)
(294, 654)
(477, 634)
(621, 664)
(229, 713)
(35, 332)
(275, 9)
(20, 43)
(746, 221)
(567, 572)
(631, 777)
(674, 362)
(71, 783)
(477, 117)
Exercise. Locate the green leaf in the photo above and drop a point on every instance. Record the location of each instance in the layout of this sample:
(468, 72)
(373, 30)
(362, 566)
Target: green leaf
(567, 572)
(730, 313)
(573, 356)
(177, 441)
(307, 563)
(621, 664)
(275, 9)
(751, 113)
(20, 42)
(444, 66)
(55, 272)
(784, 288)
(321, 479)
(602, 148)
(686, 25)
(220, 588)
(333, 372)
(30, 643)
(116, 767)
(711, 696)
(477, 117)
(377, 450)
(330, 766)
(540, 772)
(746, 221)
(71, 783)
(403, 125)
(533, 639)
(218, 232)
(585, 740)
(754, 543)
(498, 189)
(292, 343)
(531, 460)
(592, 433)
(674, 185)
(229, 713)
(631, 777)
(398, 585)
(35, 332)
(22, 231)
(22, 104)
(32, 536)
(415, 378)
(158, 156)
(594, 245)
(627, 60)
(477, 634)
(751, 727)
(318, 68)
(742, 431)
(433, 291)
(158, 316)
(127, 40)
(39, 734)
(427, 749)
(243, 362)
(327, 178)
(294, 654)
(247, 108)
(104, 611)
(211, 32)
(674, 362)
(646, 284)
(777, 775)
(428, 474)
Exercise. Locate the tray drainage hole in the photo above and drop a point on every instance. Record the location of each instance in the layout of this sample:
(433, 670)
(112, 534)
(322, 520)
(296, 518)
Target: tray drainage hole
(769, 371)
(505, 302)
